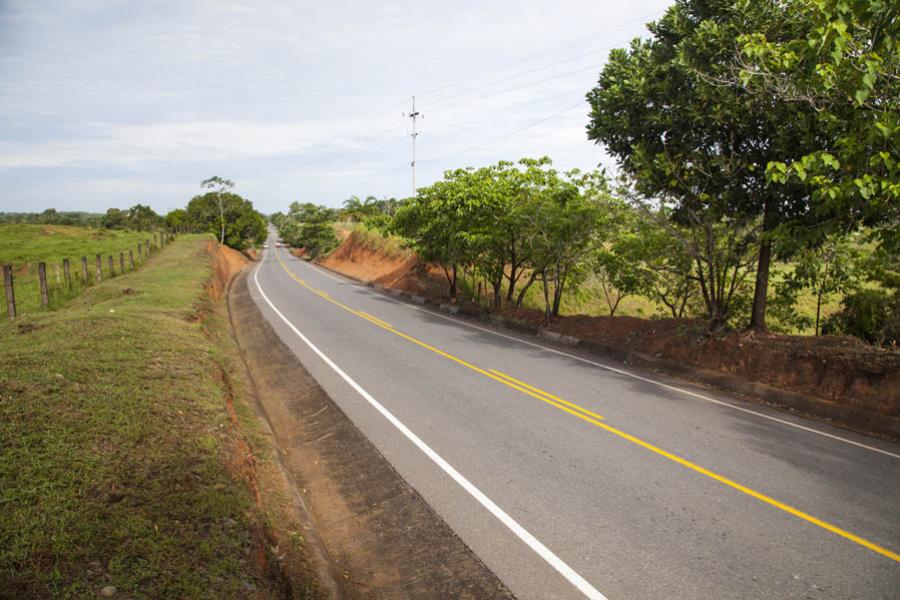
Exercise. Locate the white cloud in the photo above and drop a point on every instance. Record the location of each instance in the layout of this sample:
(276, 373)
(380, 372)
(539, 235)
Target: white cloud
(99, 99)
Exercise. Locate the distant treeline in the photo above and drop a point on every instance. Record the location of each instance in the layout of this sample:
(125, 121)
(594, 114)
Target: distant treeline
(51, 216)
(137, 218)
(225, 214)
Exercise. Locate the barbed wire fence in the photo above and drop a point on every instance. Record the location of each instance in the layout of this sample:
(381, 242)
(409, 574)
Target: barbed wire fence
(37, 285)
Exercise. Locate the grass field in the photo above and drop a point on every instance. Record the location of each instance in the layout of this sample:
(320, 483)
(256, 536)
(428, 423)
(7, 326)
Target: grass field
(24, 246)
(117, 451)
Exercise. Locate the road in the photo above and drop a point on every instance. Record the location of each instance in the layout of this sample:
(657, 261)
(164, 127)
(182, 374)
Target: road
(571, 477)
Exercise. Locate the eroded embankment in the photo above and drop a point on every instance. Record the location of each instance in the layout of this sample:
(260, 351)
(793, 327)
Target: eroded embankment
(840, 378)
(382, 537)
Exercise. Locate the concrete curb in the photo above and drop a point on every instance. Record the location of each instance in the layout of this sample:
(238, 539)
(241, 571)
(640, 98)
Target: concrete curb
(841, 415)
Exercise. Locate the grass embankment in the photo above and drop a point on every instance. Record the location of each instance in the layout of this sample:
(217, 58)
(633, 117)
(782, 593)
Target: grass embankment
(23, 246)
(123, 459)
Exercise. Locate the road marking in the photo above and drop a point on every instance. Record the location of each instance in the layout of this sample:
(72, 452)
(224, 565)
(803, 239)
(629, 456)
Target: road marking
(376, 319)
(578, 411)
(532, 542)
(582, 359)
(543, 393)
(673, 457)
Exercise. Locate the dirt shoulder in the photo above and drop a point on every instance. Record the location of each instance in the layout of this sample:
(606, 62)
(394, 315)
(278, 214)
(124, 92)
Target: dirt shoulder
(381, 536)
(839, 379)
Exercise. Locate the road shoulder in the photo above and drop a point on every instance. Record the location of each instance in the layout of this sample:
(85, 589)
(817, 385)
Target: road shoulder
(381, 536)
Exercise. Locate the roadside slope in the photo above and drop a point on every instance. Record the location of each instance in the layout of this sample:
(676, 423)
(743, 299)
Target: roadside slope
(129, 465)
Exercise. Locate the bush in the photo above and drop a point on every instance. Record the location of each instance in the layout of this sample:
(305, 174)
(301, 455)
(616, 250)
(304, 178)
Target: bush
(871, 315)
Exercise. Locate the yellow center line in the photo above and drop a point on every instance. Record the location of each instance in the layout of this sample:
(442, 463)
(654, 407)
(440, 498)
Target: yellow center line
(582, 414)
(376, 319)
(547, 394)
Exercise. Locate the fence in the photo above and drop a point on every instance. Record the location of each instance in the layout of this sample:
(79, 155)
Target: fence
(30, 287)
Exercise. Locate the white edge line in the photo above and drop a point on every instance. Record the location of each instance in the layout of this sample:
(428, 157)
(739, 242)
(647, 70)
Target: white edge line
(532, 542)
(614, 369)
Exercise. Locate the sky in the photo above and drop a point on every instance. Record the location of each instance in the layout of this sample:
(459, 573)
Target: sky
(110, 104)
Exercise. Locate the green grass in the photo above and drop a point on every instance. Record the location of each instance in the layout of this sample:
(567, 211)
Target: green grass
(24, 246)
(390, 246)
(115, 443)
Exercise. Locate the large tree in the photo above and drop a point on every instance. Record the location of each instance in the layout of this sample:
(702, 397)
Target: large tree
(842, 60)
(699, 147)
(242, 224)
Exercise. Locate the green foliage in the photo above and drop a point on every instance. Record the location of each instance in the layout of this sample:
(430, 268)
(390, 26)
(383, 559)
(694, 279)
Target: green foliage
(308, 226)
(243, 226)
(53, 217)
(137, 218)
(356, 210)
(869, 314)
(699, 146)
(178, 220)
(831, 268)
(843, 61)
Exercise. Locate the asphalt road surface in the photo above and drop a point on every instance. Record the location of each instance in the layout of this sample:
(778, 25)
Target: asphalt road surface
(571, 477)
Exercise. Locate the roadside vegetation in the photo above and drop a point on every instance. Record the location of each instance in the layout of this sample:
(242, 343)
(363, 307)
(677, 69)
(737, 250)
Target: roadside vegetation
(120, 464)
(721, 211)
(24, 246)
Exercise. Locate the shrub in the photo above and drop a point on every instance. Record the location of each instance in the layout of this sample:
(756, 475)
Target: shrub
(871, 315)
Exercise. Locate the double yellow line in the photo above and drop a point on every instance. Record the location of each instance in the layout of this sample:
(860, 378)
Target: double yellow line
(597, 420)
(521, 386)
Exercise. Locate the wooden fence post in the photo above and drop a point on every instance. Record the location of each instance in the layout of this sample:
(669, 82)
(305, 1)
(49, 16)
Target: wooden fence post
(84, 270)
(99, 269)
(140, 254)
(121, 262)
(10, 293)
(42, 280)
(111, 272)
(131, 258)
(149, 249)
(67, 273)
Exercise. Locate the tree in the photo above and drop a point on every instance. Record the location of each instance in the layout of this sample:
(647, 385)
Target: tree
(309, 226)
(220, 187)
(843, 62)
(826, 270)
(556, 234)
(142, 218)
(114, 218)
(699, 147)
(243, 225)
(178, 220)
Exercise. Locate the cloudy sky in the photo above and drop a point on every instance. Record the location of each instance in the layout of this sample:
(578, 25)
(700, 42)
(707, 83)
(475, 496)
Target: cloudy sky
(113, 103)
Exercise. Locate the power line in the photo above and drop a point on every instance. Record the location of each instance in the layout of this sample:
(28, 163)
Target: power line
(546, 52)
(502, 137)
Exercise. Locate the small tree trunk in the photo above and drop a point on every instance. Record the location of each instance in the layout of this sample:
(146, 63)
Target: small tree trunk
(761, 290)
(546, 300)
(221, 219)
(498, 292)
(818, 309)
(524, 290)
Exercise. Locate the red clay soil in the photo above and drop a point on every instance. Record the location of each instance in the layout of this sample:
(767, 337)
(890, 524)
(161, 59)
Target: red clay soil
(226, 263)
(410, 274)
(842, 369)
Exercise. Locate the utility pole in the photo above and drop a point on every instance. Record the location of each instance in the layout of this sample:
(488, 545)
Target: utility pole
(414, 115)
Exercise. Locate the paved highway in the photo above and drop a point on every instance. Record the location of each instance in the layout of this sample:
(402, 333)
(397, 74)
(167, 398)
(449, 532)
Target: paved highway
(571, 477)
